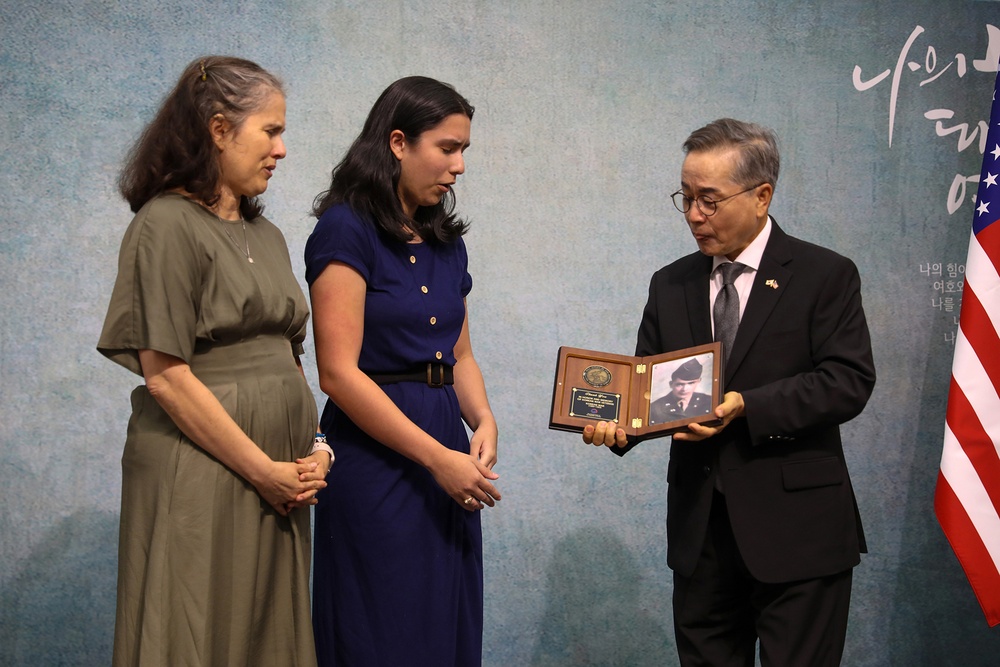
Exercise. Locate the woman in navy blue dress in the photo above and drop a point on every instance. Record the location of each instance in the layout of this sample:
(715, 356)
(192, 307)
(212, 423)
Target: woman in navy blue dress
(398, 547)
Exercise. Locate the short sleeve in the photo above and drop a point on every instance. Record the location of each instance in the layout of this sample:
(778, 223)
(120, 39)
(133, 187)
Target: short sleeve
(154, 300)
(340, 236)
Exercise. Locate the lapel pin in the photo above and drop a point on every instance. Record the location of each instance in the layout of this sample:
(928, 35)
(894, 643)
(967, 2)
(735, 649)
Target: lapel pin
(772, 283)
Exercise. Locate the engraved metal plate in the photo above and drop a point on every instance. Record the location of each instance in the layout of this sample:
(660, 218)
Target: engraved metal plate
(600, 405)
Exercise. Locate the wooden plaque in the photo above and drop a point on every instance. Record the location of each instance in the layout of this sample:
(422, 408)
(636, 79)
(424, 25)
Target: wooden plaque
(648, 397)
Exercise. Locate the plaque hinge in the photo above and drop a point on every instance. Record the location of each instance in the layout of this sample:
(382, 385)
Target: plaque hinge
(640, 369)
(637, 422)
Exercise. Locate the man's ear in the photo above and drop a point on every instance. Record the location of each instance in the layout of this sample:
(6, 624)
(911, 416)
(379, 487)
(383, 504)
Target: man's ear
(397, 143)
(764, 194)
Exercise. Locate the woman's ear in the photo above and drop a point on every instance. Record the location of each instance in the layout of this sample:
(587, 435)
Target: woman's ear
(219, 128)
(397, 143)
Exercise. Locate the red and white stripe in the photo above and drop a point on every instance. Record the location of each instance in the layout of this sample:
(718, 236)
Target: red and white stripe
(967, 498)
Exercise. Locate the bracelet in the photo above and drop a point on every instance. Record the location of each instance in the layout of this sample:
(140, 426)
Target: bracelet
(320, 444)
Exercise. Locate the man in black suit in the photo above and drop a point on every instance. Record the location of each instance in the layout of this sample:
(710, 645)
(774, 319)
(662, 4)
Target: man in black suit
(682, 401)
(763, 528)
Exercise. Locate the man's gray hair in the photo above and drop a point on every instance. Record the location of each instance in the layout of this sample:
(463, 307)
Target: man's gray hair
(757, 145)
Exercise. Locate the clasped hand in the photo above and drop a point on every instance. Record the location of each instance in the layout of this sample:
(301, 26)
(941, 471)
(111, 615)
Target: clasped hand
(462, 476)
(293, 485)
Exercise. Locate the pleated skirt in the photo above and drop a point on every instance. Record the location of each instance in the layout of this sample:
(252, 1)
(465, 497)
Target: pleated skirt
(208, 572)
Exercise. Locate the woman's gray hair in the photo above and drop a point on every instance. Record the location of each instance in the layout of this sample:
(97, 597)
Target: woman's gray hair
(176, 149)
(234, 87)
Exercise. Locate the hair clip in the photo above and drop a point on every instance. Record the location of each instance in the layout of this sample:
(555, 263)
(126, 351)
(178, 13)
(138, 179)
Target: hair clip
(203, 75)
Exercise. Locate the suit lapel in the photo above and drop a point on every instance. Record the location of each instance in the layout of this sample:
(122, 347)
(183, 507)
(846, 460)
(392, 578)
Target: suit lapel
(696, 294)
(769, 285)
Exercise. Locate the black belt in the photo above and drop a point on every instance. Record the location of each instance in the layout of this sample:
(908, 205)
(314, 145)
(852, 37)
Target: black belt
(434, 375)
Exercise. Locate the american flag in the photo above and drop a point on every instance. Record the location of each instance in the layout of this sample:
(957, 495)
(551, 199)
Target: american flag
(967, 497)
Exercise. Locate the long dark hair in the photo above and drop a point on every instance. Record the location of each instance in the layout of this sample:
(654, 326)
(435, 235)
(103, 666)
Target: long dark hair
(367, 177)
(176, 149)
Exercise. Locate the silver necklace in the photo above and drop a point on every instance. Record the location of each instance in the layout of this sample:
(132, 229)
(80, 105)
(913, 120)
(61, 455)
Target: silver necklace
(246, 242)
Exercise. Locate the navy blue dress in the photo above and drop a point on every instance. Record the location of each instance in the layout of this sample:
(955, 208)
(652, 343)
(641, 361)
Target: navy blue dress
(398, 570)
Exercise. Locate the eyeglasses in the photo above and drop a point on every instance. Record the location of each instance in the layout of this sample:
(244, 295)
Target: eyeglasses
(706, 205)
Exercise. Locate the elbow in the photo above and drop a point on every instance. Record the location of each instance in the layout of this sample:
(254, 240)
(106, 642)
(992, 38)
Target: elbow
(854, 402)
(334, 383)
(162, 387)
(157, 388)
(169, 381)
(865, 388)
(328, 386)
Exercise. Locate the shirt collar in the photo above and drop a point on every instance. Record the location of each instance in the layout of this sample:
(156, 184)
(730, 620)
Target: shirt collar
(753, 253)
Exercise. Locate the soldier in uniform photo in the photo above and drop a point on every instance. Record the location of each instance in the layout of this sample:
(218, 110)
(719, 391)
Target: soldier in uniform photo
(682, 401)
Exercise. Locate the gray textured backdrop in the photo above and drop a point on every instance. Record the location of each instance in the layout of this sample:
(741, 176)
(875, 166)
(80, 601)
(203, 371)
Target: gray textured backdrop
(581, 108)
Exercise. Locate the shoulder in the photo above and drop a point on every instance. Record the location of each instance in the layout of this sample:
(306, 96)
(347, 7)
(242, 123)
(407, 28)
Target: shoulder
(454, 249)
(341, 217)
(167, 219)
(812, 251)
(340, 224)
(265, 226)
(784, 247)
(170, 208)
(683, 268)
(341, 235)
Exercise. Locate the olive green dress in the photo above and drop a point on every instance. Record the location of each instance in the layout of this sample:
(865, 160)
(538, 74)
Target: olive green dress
(208, 572)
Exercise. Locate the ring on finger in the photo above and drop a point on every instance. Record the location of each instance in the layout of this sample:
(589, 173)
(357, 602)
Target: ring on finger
(468, 501)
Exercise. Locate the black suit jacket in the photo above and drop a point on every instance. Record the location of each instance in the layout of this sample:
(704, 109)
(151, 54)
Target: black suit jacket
(802, 361)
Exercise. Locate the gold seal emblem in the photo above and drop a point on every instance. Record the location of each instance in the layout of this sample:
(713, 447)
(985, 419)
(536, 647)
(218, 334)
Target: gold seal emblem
(597, 376)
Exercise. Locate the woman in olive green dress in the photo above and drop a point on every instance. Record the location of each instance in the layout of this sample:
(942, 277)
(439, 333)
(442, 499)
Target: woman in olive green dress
(220, 462)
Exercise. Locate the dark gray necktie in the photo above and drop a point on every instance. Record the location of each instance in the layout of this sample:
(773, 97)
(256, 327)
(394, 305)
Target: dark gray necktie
(726, 311)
